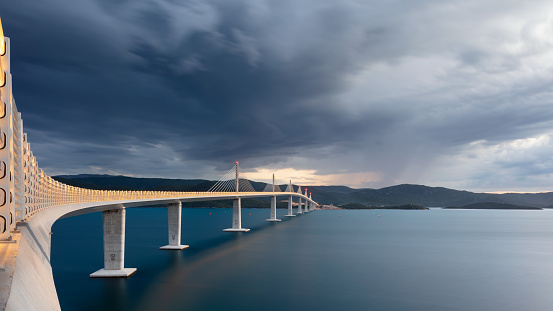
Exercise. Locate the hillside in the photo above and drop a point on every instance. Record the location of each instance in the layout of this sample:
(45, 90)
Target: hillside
(491, 205)
(397, 207)
(421, 195)
(336, 195)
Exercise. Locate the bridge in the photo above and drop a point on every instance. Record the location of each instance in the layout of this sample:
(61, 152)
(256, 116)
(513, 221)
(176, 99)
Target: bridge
(31, 201)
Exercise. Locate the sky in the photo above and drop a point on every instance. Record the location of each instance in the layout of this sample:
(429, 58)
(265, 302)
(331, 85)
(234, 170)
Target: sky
(367, 94)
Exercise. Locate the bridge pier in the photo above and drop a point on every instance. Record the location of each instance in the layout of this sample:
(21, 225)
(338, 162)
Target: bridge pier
(290, 213)
(306, 209)
(174, 212)
(114, 246)
(299, 206)
(273, 210)
(236, 217)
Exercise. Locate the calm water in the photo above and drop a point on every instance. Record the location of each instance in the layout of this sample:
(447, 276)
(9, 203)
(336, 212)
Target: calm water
(327, 260)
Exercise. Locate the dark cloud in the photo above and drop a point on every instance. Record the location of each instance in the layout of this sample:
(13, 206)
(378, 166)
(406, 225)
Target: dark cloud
(185, 88)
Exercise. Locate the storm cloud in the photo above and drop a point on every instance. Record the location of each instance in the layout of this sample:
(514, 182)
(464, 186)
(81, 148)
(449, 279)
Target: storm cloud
(365, 93)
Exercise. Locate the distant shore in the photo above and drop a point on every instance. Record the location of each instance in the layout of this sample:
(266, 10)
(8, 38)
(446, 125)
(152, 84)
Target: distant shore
(396, 207)
(497, 206)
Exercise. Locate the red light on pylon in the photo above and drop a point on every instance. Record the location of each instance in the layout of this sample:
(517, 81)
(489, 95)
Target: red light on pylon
(236, 162)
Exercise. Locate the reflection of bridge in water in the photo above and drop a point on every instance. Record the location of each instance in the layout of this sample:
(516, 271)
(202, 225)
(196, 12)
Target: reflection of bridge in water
(31, 201)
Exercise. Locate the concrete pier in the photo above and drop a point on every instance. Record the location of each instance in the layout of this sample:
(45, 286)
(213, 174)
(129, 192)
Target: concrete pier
(236, 217)
(299, 206)
(114, 246)
(273, 210)
(290, 213)
(306, 209)
(174, 212)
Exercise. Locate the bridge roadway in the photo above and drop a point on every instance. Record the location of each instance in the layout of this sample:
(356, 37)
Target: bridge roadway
(31, 286)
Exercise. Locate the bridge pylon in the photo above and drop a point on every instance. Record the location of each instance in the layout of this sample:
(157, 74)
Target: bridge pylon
(273, 204)
(306, 209)
(237, 206)
(299, 202)
(290, 189)
(311, 204)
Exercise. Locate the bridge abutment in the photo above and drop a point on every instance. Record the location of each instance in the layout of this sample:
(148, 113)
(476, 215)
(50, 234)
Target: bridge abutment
(114, 246)
(236, 217)
(174, 213)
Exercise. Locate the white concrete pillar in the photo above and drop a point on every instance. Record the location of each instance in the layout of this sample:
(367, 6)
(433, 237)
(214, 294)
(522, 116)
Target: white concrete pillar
(299, 206)
(236, 217)
(273, 210)
(306, 209)
(174, 212)
(290, 213)
(114, 246)
(311, 203)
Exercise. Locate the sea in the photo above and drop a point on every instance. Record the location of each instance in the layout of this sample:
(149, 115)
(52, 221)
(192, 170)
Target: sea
(437, 259)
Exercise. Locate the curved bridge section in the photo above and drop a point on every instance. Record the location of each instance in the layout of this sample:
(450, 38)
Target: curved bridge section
(31, 201)
(26, 190)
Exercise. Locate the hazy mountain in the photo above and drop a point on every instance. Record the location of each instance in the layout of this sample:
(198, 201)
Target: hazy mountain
(336, 189)
(491, 205)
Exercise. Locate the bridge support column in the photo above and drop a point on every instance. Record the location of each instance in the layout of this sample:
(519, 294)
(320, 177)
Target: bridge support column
(236, 217)
(299, 206)
(174, 212)
(290, 213)
(273, 210)
(306, 209)
(114, 246)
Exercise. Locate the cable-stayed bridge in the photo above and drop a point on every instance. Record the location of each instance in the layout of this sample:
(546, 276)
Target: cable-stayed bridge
(31, 201)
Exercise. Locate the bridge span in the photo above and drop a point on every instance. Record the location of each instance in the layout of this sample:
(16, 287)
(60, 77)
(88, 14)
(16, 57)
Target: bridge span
(31, 202)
